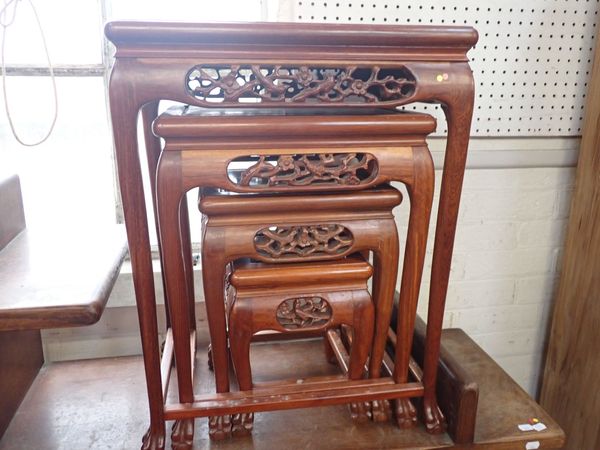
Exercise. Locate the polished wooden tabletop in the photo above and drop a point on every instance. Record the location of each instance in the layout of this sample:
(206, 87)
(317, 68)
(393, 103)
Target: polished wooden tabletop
(59, 276)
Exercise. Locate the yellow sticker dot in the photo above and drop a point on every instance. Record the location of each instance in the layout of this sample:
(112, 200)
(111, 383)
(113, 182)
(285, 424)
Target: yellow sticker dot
(439, 78)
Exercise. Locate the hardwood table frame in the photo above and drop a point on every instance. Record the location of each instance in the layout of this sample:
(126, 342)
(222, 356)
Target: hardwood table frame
(341, 294)
(193, 155)
(156, 61)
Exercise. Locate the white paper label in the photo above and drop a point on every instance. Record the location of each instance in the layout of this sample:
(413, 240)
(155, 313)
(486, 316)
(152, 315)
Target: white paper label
(532, 445)
(525, 427)
(539, 426)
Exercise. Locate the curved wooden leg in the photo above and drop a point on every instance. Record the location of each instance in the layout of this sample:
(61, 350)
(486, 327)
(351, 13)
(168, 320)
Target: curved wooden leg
(458, 108)
(188, 262)
(169, 198)
(363, 336)
(182, 431)
(385, 261)
(421, 198)
(125, 113)
(362, 324)
(213, 275)
(240, 336)
(153, 148)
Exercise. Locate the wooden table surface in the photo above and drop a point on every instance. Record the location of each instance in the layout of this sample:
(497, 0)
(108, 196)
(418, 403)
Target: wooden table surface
(59, 276)
(101, 404)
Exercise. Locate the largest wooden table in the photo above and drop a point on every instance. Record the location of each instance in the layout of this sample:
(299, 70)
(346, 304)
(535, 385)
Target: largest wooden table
(160, 61)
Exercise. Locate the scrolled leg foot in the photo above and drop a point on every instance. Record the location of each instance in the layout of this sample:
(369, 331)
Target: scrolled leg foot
(241, 424)
(219, 427)
(153, 440)
(182, 434)
(435, 423)
(405, 413)
(381, 410)
(360, 412)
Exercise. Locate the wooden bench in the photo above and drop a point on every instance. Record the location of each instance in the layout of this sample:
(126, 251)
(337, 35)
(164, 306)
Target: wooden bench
(58, 276)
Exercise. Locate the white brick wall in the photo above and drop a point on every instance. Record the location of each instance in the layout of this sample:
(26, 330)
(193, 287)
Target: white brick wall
(506, 257)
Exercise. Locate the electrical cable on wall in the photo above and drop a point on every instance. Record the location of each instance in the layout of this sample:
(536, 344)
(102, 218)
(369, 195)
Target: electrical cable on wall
(6, 22)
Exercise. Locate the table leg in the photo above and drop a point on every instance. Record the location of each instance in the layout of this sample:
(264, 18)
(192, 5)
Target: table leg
(132, 193)
(458, 107)
(213, 275)
(188, 262)
(153, 149)
(169, 197)
(421, 198)
(385, 262)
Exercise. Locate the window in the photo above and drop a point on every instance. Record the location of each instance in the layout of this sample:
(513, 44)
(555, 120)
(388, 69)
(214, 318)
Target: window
(72, 175)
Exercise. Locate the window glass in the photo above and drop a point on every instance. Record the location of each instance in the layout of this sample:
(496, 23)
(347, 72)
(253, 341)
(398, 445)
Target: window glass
(73, 30)
(70, 176)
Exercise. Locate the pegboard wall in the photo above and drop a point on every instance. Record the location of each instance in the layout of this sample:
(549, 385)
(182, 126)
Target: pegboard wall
(531, 64)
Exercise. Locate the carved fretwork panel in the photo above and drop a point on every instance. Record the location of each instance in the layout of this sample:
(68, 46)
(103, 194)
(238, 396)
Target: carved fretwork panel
(313, 86)
(284, 171)
(303, 312)
(288, 243)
